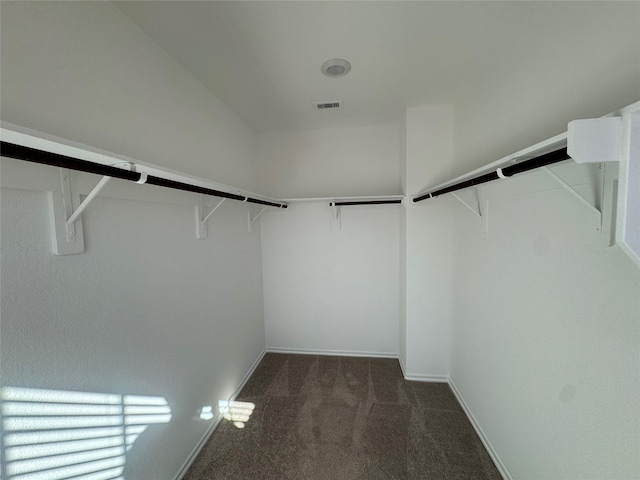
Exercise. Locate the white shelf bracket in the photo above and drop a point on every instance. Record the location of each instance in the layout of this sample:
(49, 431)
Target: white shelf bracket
(88, 199)
(479, 210)
(66, 223)
(578, 196)
(251, 220)
(336, 217)
(477, 213)
(603, 191)
(201, 218)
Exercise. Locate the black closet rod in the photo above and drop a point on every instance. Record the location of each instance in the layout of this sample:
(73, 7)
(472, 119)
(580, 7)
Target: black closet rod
(524, 166)
(34, 155)
(366, 202)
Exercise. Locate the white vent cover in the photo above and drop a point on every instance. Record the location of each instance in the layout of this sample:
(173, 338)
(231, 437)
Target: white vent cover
(328, 105)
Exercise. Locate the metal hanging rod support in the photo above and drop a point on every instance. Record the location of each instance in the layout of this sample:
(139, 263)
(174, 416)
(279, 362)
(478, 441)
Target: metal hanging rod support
(89, 198)
(213, 210)
(366, 202)
(34, 155)
(524, 166)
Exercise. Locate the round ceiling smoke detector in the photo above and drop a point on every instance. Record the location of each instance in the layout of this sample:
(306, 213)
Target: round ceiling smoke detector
(336, 67)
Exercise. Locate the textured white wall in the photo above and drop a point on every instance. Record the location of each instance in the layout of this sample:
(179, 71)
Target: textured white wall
(427, 247)
(402, 289)
(545, 334)
(85, 72)
(319, 163)
(428, 291)
(402, 330)
(331, 290)
(147, 309)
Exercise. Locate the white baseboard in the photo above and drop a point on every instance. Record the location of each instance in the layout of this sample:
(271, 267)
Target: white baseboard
(402, 367)
(196, 451)
(418, 377)
(483, 438)
(185, 466)
(337, 353)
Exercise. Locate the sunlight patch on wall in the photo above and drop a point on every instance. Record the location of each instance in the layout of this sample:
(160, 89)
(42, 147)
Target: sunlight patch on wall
(56, 434)
(236, 412)
(206, 413)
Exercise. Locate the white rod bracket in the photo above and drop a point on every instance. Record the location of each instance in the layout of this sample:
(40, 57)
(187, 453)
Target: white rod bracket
(481, 210)
(67, 237)
(251, 220)
(577, 195)
(67, 234)
(201, 218)
(477, 213)
(336, 217)
(88, 199)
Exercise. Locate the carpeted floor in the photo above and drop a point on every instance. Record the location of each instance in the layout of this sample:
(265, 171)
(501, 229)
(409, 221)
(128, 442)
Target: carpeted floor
(343, 418)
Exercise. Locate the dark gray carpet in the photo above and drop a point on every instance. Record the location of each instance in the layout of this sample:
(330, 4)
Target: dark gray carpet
(344, 418)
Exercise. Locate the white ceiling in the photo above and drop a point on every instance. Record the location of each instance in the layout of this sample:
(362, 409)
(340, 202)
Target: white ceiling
(263, 58)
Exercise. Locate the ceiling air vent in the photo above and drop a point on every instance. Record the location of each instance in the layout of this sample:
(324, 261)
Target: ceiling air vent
(327, 105)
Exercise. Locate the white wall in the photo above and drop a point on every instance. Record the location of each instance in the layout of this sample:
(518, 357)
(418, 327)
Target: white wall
(326, 289)
(402, 328)
(331, 290)
(84, 71)
(428, 291)
(546, 334)
(147, 309)
(331, 162)
(516, 103)
(427, 247)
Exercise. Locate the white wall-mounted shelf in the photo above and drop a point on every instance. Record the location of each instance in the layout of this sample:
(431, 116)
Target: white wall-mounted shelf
(343, 199)
(66, 208)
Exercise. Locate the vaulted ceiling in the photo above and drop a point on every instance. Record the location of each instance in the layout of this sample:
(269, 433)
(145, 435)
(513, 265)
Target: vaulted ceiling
(263, 58)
